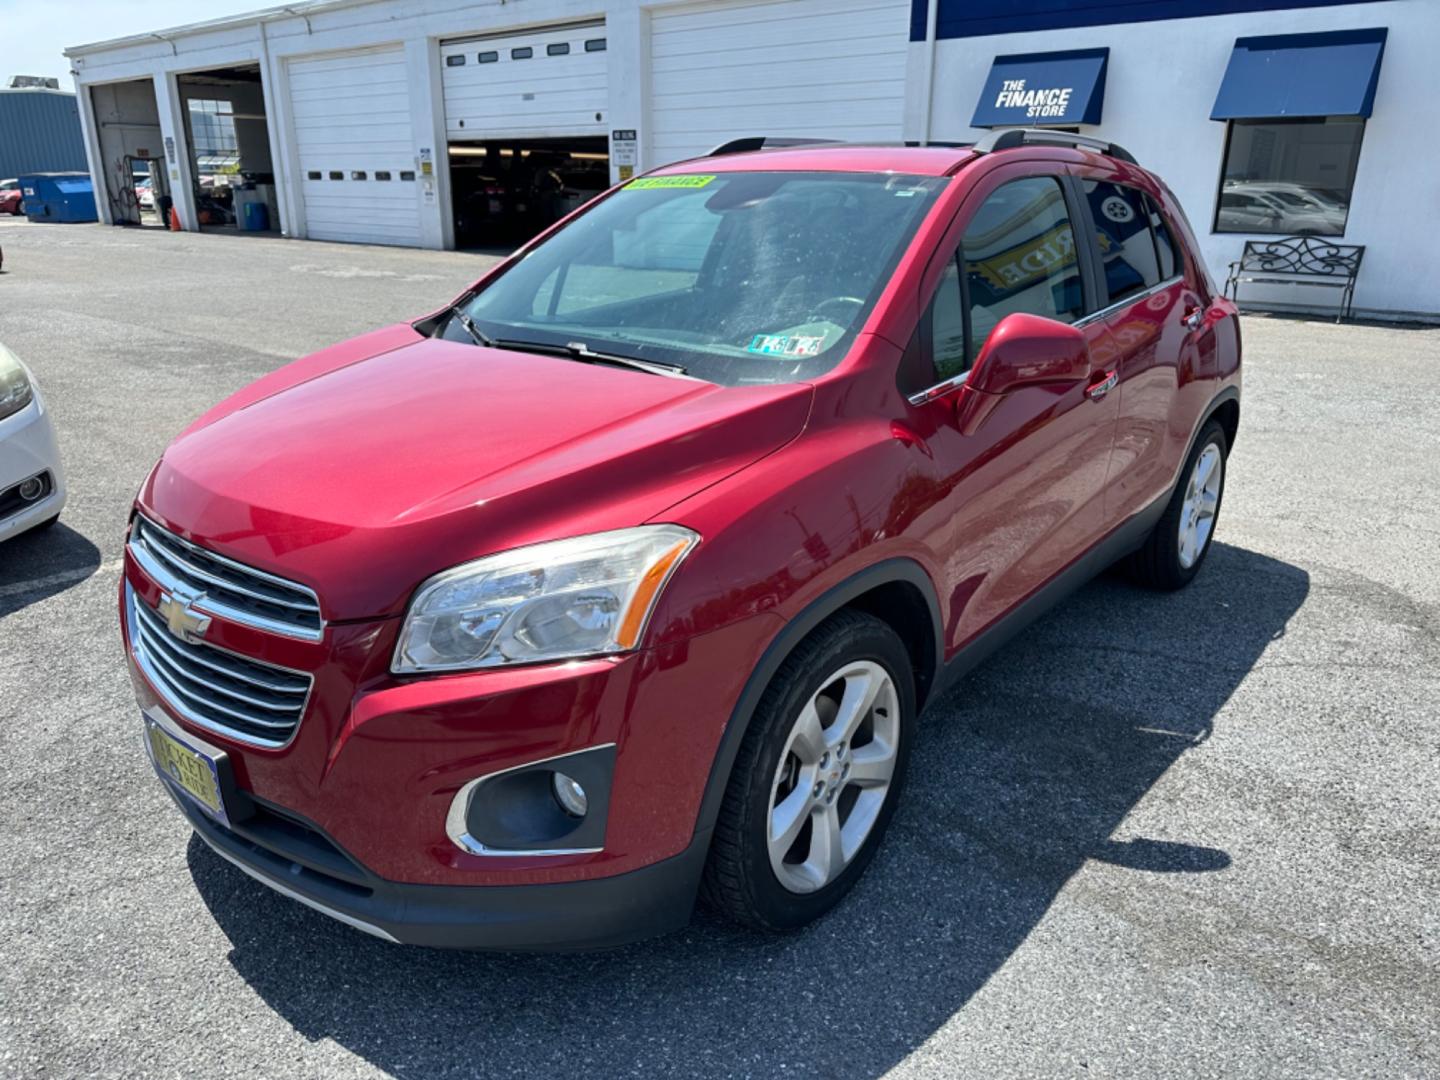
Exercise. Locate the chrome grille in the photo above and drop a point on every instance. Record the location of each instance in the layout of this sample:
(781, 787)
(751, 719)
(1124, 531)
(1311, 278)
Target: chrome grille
(245, 699)
(223, 587)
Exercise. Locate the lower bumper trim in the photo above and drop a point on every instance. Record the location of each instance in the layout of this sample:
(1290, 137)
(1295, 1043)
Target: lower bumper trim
(285, 890)
(596, 913)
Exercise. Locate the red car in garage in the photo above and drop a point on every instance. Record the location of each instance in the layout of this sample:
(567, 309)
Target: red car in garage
(624, 579)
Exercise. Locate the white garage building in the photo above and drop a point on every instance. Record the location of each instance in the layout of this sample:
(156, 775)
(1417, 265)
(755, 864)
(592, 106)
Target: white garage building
(423, 124)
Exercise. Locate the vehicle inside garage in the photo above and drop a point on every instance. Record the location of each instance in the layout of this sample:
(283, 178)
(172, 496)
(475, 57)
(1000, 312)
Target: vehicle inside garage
(228, 136)
(505, 192)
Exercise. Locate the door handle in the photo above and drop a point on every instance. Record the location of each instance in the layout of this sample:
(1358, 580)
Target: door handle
(1098, 389)
(1195, 320)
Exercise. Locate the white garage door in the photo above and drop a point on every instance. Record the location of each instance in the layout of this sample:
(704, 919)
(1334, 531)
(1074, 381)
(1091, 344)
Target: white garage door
(357, 152)
(542, 83)
(829, 68)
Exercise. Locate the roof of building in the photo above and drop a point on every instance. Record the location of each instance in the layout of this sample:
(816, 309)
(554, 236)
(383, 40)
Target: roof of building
(49, 91)
(227, 22)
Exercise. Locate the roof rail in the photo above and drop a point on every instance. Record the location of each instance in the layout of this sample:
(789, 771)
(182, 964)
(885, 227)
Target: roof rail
(763, 142)
(1009, 138)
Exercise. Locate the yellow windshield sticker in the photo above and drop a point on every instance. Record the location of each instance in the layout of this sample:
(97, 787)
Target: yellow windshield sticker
(670, 182)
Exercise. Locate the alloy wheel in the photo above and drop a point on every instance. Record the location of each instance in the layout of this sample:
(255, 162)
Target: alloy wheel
(1202, 500)
(834, 776)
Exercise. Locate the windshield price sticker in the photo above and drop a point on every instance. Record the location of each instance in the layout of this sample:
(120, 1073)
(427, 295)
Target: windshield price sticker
(651, 182)
(786, 345)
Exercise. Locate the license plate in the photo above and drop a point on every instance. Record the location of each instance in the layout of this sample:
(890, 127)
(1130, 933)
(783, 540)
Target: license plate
(195, 773)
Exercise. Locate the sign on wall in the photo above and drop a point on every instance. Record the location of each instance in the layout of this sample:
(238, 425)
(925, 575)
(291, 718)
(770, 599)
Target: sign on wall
(1040, 89)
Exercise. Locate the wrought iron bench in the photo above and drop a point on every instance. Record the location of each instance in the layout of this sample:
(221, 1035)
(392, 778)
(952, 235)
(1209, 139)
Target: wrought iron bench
(1299, 260)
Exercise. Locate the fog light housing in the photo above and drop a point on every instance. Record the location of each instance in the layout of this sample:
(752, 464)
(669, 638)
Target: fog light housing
(32, 489)
(554, 806)
(570, 795)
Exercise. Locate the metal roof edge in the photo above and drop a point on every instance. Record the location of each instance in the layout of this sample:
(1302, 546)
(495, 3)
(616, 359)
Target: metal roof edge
(226, 22)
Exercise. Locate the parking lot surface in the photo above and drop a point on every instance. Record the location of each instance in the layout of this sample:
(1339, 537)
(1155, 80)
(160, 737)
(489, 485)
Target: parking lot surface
(1181, 835)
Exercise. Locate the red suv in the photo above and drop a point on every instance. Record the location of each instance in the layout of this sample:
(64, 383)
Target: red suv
(624, 579)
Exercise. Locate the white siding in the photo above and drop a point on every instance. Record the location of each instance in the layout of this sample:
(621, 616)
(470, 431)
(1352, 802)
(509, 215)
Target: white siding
(544, 95)
(827, 68)
(352, 114)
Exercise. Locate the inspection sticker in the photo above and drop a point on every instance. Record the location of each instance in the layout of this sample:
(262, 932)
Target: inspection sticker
(670, 182)
(786, 345)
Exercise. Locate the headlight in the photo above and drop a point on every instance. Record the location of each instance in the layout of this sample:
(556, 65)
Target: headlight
(581, 597)
(15, 389)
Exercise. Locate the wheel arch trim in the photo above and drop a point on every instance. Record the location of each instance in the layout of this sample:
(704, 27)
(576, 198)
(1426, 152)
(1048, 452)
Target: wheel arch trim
(894, 571)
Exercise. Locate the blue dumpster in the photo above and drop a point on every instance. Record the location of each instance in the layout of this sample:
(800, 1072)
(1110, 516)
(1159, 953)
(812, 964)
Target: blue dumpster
(58, 196)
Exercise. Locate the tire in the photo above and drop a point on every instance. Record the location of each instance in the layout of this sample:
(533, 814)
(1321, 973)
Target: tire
(779, 770)
(1165, 562)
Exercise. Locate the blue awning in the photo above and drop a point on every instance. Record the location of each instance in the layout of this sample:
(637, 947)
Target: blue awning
(1036, 89)
(1331, 74)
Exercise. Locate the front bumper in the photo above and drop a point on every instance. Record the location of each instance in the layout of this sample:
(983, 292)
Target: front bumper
(28, 447)
(599, 913)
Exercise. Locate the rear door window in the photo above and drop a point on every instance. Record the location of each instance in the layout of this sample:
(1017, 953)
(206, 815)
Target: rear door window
(1165, 246)
(1122, 231)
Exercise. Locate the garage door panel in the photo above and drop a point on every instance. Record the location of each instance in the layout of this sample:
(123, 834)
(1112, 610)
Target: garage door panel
(541, 96)
(351, 114)
(826, 68)
(725, 16)
(348, 63)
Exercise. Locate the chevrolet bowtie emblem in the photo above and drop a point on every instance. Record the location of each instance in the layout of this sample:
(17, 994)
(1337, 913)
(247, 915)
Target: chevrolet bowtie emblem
(183, 620)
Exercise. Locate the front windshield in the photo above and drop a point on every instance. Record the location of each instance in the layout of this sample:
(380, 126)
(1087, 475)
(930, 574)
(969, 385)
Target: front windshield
(739, 278)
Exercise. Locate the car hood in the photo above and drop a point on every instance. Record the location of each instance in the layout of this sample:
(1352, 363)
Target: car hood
(362, 470)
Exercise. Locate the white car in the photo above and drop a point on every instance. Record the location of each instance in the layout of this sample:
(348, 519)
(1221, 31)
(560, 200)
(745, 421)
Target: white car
(32, 484)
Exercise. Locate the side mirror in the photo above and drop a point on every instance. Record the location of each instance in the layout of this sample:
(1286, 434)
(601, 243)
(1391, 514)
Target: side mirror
(1026, 350)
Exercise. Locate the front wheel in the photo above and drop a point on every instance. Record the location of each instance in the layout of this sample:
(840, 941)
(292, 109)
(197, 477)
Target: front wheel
(817, 777)
(1174, 551)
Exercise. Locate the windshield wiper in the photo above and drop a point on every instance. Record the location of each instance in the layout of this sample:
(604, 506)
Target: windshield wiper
(574, 350)
(578, 350)
(468, 325)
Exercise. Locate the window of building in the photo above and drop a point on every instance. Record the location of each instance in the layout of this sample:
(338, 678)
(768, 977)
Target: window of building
(487, 57)
(313, 174)
(358, 174)
(523, 53)
(595, 45)
(559, 48)
(1019, 254)
(336, 174)
(212, 134)
(1122, 230)
(458, 60)
(1288, 176)
(407, 174)
(382, 174)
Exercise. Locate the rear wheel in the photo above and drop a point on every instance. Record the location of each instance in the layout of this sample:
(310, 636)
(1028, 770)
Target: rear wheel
(1176, 549)
(817, 777)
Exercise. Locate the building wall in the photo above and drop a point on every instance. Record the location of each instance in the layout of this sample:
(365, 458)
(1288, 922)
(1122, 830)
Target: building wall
(1162, 78)
(39, 132)
(1161, 84)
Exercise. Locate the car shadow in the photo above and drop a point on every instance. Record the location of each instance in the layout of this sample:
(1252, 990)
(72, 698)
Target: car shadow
(1021, 774)
(38, 564)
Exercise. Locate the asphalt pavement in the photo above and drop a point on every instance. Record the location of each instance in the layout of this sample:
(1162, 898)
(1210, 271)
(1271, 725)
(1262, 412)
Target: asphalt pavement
(1183, 835)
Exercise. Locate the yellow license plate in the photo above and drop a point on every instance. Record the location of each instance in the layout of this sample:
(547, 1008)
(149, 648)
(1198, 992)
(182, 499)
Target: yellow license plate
(193, 772)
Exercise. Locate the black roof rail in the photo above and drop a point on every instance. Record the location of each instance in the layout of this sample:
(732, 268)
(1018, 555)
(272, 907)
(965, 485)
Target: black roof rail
(764, 142)
(1009, 138)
